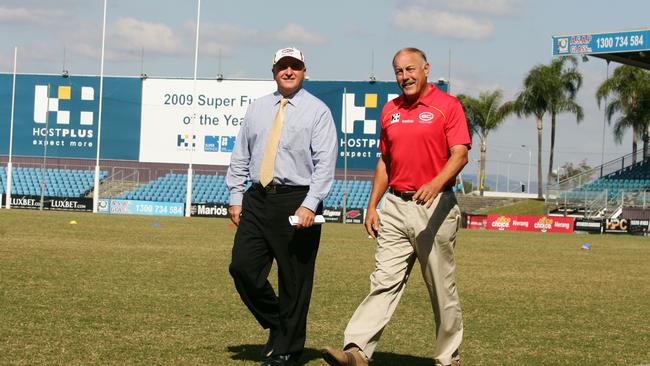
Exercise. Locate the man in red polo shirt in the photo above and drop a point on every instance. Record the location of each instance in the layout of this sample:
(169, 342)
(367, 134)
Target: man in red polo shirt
(424, 145)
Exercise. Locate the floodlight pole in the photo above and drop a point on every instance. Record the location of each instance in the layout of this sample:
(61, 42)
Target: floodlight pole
(99, 116)
(44, 168)
(345, 155)
(188, 191)
(11, 132)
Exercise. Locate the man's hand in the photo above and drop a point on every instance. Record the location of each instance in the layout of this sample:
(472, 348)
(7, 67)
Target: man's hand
(305, 217)
(426, 194)
(372, 222)
(235, 213)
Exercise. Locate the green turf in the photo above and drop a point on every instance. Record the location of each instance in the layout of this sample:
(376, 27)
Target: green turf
(117, 290)
(531, 207)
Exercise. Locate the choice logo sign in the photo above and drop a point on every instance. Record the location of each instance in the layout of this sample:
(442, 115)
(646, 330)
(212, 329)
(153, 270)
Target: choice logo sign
(543, 224)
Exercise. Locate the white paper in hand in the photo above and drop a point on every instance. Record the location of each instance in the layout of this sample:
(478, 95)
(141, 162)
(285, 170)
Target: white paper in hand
(318, 219)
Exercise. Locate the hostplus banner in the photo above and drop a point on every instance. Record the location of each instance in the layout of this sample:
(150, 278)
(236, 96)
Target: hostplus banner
(59, 116)
(356, 108)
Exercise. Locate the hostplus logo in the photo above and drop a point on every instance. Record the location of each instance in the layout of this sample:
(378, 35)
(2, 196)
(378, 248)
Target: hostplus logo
(56, 121)
(355, 120)
(186, 142)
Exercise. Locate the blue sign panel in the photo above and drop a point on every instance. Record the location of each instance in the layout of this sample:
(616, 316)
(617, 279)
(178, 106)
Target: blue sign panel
(58, 116)
(356, 108)
(132, 207)
(595, 43)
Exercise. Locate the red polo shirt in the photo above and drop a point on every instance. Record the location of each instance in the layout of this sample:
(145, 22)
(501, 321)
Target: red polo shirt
(417, 138)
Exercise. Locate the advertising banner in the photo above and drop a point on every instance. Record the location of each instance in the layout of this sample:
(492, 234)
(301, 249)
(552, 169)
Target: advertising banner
(594, 43)
(476, 221)
(209, 210)
(180, 117)
(183, 119)
(590, 226)
(172, 120)
(20, 201)
(638, 226)
(133, 207)
(355, 216)
(51, 203)
(626, 226)
(614, 226)
(551, 224)
(62, 114)
(333, 214)
(356, 107)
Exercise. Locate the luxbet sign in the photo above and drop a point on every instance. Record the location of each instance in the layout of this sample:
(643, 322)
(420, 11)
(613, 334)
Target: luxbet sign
(543, 224)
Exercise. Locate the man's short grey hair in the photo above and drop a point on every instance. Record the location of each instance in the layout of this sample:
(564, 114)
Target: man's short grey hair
(412, 50)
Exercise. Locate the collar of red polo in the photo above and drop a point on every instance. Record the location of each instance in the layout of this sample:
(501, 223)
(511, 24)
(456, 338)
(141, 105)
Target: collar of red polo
(426, 99)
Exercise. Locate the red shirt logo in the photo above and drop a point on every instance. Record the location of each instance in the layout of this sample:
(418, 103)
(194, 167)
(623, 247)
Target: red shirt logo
(426, 117)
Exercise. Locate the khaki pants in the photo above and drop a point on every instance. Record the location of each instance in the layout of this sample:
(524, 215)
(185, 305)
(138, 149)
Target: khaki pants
(409, 231)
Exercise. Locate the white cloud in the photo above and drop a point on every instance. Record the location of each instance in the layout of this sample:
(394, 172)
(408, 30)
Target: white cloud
(441, 23)
(296, 33)
(33, 16)
(131, 35)
(224, 33)
(489, 7)
(14, 14)
(215, 48)
(228, 34)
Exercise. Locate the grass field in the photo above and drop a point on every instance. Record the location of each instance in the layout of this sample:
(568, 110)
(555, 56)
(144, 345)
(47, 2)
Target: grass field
(122, 290)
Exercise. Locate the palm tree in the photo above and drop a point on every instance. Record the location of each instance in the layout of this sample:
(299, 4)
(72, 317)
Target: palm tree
(534, 100)
(549, 89)
(629, 88)
(484, 115)
(565, 81)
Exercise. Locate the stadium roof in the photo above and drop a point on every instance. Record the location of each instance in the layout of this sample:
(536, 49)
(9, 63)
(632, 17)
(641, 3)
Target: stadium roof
(626, 47)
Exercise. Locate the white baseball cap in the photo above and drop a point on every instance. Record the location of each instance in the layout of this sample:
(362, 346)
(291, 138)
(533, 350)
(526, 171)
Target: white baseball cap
(288, 52)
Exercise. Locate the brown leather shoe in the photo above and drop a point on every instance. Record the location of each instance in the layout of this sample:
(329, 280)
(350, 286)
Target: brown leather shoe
(349, 357)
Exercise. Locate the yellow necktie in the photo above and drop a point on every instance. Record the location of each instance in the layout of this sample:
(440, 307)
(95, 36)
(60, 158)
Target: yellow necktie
(270, 151)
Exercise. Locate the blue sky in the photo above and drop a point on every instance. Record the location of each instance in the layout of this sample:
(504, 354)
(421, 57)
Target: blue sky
(491, 44)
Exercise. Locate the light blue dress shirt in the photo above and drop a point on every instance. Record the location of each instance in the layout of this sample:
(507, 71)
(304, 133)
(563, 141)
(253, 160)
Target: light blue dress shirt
(306, 153)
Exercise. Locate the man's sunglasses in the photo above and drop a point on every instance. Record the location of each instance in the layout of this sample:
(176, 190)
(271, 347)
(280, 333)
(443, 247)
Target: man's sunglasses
(296, 66)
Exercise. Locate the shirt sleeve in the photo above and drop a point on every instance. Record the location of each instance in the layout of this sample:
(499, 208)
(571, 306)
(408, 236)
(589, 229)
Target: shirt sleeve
(238, 172)
(456, 128)
(324, 154)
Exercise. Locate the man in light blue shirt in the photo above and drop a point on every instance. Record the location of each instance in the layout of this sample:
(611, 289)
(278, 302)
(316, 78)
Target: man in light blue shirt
(297, 181)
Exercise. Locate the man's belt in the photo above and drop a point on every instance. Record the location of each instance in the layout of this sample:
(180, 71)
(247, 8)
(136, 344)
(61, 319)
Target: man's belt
(405, 195)
(278, 188)
(408, 195)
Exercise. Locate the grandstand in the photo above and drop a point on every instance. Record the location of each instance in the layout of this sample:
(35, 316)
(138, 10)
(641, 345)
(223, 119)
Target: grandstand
(605, 190)
(171, 187)
(57, 182)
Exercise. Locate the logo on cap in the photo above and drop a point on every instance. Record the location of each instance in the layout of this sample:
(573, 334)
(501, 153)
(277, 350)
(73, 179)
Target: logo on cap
(288, 52)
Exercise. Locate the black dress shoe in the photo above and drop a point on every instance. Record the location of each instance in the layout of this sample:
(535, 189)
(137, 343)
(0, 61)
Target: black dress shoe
(281, 360)
(267, 350)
